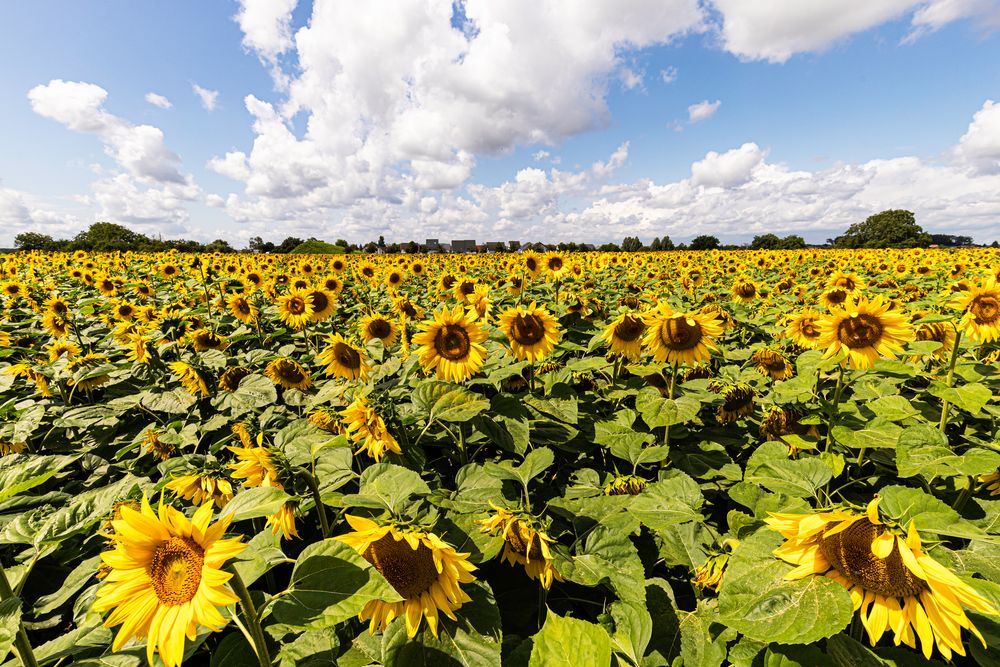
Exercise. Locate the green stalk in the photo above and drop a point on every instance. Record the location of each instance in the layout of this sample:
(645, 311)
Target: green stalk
(670, 395)
(948, 381)
(21, 643)
(250, 617)
(833, 411)
(320, 509)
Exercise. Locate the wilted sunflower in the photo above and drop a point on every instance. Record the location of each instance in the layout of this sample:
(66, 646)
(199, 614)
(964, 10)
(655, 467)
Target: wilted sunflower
(87, 373)
(709, 575)
(374, 326)
(423, 569)
(204, 339)
(451, 342)
(772, 364)
(624, 335)
(367, 430)
(152, 444)
(804, 330)
(283, 521)
(326, 419)
(738, 400)
(679, 337)
(189, 378)
(981, 306)
(525, 543)
(891, 580)
(231, 378)
(343, 359)
(288, 373)
(295, 308)
(166, 578)
(8, 448)
(202, 488)
(242, 308)
(531, 330)
(864, 331)
(625, 485)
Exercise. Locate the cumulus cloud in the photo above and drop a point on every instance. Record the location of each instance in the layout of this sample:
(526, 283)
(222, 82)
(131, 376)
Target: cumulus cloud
(20, 213)
(729, 169)
(979, 147)
(775, 30)
(703, 110)
(158, 100)
(209, 98)
(80, 107)
(266, 26)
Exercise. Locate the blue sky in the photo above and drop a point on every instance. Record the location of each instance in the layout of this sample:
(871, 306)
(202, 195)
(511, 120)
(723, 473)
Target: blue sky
(357, 128)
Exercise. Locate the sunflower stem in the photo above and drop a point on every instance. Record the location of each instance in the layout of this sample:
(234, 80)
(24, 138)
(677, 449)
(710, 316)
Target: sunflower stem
(966, 493)
(320, 509)
(833, 409)
(250, 616)
(670, 396)
(21, 643)
(948, 381)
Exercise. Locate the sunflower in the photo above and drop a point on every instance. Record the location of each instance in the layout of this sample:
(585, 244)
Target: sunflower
(531, 264)
(737, 400)
(744, 290)
(283, 521)
(406, 307)
(86, 371)
(242, 309)
(480, 302)
(367, 430)
(204, 339)
(166, 578)
(709, 575)
(231, 378)
(848, 281)
(202, 488)
(326, 419)
(189, 378)
(288, 373)
(864, 331)
(159, 448)
(981, 306)
(423, 569)
(8, 448)
(525, 543)
(59, 349)
(835, 297)
(532, 332)
(451, 342)
(804, 330)
(295, 308)
(991, 482)
(625, 485)
(679, 337)
(555, 265)
(255, 465)
(57, 325)
(343, 359)
(624, 335)
(333, 285)
(374, 326)
(938, 332)
(772, 364)
(394, 278)
(323, 304)
(894, 584)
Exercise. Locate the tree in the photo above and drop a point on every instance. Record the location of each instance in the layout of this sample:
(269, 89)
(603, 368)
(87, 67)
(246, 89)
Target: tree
(257, 244)
(289, 244)
(631, 244)
(765, 242)
(666, 243)
(704, 242)
(654, 246)
(36, 241)
(412, 248)
(792, 242)
(108, 237)
(894, 228)
(950, 241)
(219, 245)
(609, 247)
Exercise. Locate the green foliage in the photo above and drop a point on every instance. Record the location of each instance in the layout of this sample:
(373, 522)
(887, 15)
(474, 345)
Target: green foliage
(889, 229)
(317, 247)
(704, 242)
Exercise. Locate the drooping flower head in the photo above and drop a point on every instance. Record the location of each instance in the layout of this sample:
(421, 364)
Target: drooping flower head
(624, 335)
(525, 543)
(367, 430)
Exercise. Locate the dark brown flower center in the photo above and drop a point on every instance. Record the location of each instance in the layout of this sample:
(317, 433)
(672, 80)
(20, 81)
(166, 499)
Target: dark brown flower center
(629, 329)
(410, 571)
(175, 570)
(860, 331)
(448, 281)
(231, 379)
(296, 305)
(347, 356)
(527, 329)
(379, 328)
(985, 308)
(837, 296)
(680, 333)
(555, 263)
(320, 302)
(517, 542)
(746, 290)
(452, 342)
(850, 553)
(290, 372)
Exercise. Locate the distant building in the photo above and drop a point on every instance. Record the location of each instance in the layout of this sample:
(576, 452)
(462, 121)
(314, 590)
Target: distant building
(463, 246)
(432, 245)
(496, 246)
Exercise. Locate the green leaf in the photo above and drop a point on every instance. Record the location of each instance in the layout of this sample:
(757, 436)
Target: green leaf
(668, 502)
(893, 408)
(263, 553)
(968, 397)
(233, 650)
(10, 622)
(175, 401)
(904, 504)
(255, 391)
(385, 485)
(924, 450)
(657, 411)
(878, 433)
(457, 405)
(757, 601)
(633, 629)
(256, 502)
(330, 583)
(698, 646)
(770, 467)
(20, 473)
(623, 441)
(570, 642)
(310, 649)
(474, 641)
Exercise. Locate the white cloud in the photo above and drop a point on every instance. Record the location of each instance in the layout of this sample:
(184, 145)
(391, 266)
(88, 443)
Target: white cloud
(538, 156)
(979, 147)
(266, 26)
(668, 74)
(630, 78)
(775, 30)
(729, 169)
(145, 209)
(137, 148)
(703, 110)
(20, 213)
(158, 100)
(209, 98)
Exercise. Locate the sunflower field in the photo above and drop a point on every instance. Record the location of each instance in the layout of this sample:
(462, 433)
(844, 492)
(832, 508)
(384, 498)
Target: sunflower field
(677, 458)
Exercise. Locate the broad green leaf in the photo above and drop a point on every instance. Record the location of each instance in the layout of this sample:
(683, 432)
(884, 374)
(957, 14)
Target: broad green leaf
(10, 622)
(699, 645)
(623, 441)
(457, 405)
(263, 553)
(968, 397)
(255, 391)
(893, 408)
(633, 630)
(389, 486)
(21, 473)
(878, 433)
(657, 411)
(904, 504)
(330, 583)
(310, 649)
(570, 642)
(671, 501)
(756, 600)
(770, 467)
(256, 502)
(924, 450)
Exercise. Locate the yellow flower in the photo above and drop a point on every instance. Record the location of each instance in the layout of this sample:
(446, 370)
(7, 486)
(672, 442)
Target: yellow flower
(680, 337)
(451, 343)
(772, 364)
(322, 303)
(343, 359)
(524, 543)
(166, 578)
(531, 330)
(202, 488)
(374, 326)
(981, 306)
(295, 308)
(894, 584)
(804, 330)
(864, 331)
(288, 373)
(203, 339)
(624, 335)
(625, 485)
(255, 466)
(283, 521)
(422, 568)
(189, 378)
(367, 430)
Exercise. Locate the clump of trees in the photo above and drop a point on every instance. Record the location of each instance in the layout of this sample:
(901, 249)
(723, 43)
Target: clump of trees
(894, 228)
(109, 237)
(774, 242)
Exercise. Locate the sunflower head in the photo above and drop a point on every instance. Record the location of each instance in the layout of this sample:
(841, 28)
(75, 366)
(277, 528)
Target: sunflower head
(295, 308)
(981, 311)
(625, 485)
(377, 326)
(288, 373)
(343, 359)
(451, 344)
(525, 543)
(531, 331)
(865, 331)
(772, 364)
(680, 337)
